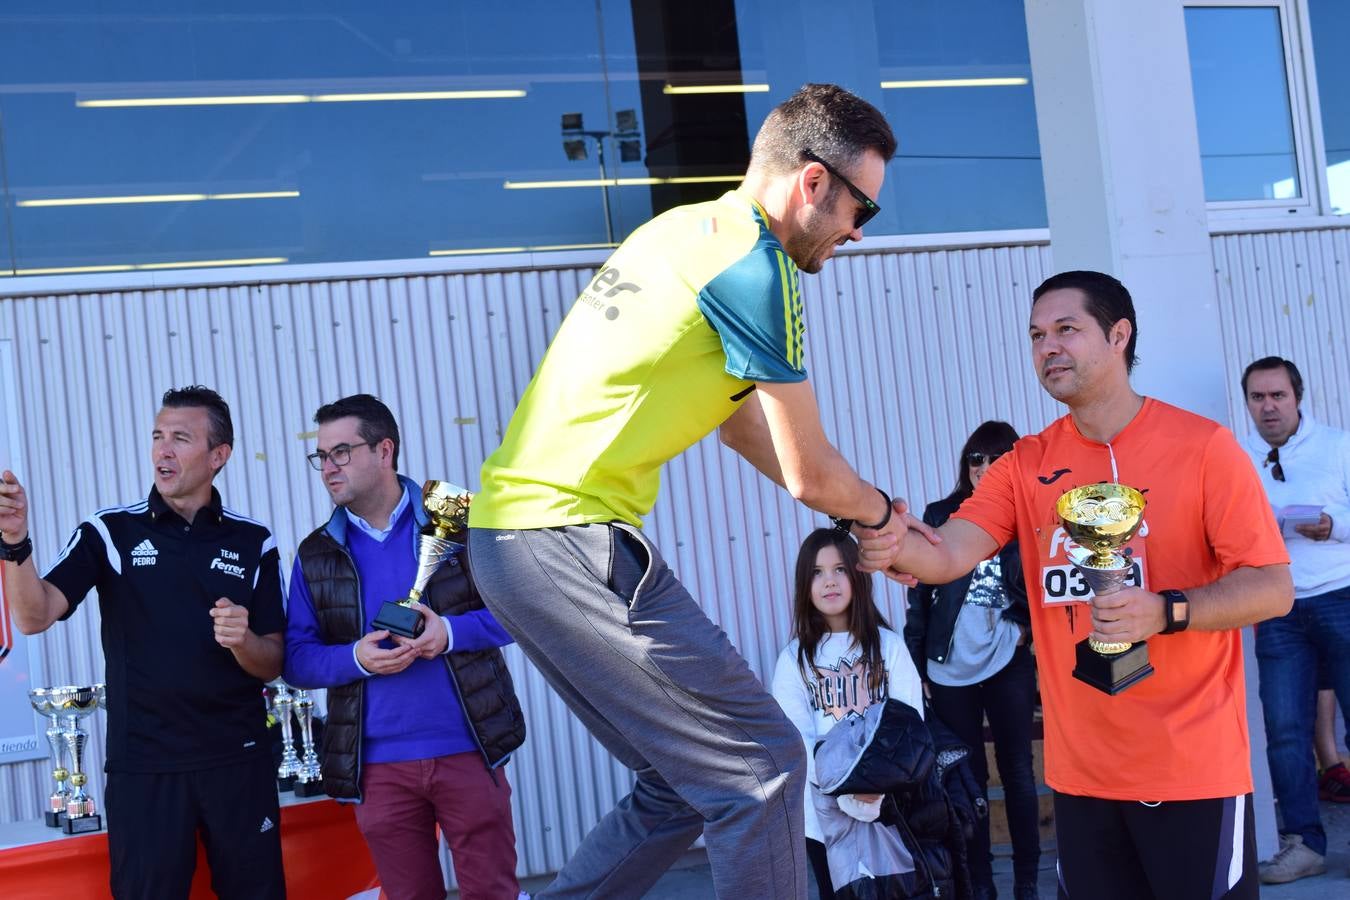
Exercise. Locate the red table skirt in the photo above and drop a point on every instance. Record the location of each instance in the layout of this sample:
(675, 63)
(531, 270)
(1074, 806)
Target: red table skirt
(324, 853)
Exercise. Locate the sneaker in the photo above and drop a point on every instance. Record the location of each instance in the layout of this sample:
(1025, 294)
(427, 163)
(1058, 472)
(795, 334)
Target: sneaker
(1334, 785)
(1294, 861)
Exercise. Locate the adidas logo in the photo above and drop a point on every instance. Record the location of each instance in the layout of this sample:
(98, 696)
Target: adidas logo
(144, 554)
(266, 825)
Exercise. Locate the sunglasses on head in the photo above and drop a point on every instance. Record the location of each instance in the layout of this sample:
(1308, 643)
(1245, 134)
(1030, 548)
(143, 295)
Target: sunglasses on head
(869, 206)
(975, 460)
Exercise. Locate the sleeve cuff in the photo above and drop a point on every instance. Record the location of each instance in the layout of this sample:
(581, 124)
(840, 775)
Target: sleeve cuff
(360, 668)
(449, 635)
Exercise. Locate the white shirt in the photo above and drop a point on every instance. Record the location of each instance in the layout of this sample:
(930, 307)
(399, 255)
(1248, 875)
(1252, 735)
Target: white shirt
(838, 691)
(1316, 465)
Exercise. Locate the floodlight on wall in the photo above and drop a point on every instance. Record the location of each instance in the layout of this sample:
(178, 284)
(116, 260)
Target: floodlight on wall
(571, 122)
(626, 121)
(630, 150)
(575, 150)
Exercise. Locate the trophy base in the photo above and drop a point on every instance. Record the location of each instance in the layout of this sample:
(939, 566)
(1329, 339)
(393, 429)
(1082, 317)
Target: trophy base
(54, 819)
(286, 784)
(82, 824)
(401, 620)
(1112, 673)
(309, 789)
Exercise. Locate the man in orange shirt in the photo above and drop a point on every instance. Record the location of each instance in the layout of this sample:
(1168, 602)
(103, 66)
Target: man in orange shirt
(1152, 785)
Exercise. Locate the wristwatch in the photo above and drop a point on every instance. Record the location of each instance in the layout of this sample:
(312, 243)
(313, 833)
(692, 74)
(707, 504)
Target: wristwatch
(16, 553)
(1178, 610)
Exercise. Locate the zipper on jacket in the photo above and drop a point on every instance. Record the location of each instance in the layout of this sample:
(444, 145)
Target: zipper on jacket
(361, 694)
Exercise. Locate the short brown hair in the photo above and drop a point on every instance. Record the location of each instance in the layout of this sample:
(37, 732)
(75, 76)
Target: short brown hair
(836, 125)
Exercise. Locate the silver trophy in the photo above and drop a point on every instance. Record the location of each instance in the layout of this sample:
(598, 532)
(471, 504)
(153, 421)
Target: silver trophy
(309, 780)
(282, 709)
(74, 704)
(40, 698)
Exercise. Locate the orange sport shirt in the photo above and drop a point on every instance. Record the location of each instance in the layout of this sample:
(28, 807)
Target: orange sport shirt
(1181, 733)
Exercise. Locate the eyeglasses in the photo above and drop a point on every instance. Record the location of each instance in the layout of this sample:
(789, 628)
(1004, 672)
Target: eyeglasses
(1274, 457)
(975, 460)
(869, 206)
(340, 455)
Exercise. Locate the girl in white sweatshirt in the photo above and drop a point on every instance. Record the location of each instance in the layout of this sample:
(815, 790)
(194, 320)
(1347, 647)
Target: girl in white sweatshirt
(842, 658)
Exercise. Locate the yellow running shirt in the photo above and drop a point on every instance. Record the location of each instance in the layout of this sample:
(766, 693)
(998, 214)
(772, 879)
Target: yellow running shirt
(661, 347)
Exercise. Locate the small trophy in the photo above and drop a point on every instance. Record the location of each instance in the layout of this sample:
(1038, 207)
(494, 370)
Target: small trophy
(41, 700)
(309, 778)
(75, 703)
(1102, 518)
(448, 507)
(282, 704)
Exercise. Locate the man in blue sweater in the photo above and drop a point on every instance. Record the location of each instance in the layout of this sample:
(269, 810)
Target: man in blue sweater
(419, 730)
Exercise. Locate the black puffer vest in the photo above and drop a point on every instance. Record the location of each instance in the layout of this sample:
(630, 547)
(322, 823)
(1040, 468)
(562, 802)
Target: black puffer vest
(481, 678)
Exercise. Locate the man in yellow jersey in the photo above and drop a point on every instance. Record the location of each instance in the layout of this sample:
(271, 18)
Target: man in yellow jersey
(694, 323)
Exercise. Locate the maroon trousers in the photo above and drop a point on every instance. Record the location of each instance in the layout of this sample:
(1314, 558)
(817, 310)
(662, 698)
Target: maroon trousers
(405, 801)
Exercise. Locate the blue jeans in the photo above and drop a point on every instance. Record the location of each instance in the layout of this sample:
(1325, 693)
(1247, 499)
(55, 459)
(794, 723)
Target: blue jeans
(1289, 652)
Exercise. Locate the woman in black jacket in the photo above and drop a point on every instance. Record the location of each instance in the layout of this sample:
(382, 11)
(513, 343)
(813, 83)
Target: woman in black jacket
(970, 640)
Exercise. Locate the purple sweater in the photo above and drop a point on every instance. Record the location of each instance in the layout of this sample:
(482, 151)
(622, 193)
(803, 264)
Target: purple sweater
(416, 713)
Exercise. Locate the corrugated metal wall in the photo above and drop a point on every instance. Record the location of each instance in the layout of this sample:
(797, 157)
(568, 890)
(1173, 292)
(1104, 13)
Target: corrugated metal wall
(908, 352)
(1288, 294)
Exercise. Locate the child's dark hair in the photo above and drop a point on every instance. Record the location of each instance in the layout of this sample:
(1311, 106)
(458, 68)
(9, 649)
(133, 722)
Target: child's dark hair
(865, 621)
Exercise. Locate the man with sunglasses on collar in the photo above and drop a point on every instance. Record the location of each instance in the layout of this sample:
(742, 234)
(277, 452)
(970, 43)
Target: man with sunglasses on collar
(694, 324)
(1302, 463)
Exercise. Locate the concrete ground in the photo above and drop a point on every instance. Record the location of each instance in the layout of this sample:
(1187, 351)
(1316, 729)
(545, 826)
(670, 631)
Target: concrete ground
(691, 879)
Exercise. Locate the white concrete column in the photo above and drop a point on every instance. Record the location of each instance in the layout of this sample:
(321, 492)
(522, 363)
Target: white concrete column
(1123, 184)
(1125, 195)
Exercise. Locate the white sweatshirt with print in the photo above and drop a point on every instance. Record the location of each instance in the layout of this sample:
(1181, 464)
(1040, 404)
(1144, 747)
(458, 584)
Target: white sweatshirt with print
(839, 689)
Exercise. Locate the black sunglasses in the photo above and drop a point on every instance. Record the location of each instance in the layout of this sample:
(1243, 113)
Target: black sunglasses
(1274, 457)
(975, 460)
(869, 206)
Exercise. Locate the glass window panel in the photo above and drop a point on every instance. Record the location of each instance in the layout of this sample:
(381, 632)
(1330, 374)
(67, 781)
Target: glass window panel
(1329, 21)
(151, 134)
(1242, 103)
(289, 113)
(954, 80)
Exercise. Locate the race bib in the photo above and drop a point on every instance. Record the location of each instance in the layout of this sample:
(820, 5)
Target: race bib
(1062, 582)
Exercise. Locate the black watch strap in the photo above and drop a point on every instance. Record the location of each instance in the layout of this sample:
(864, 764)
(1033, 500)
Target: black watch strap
(16, 553)
(1178, 610)
(846, 525)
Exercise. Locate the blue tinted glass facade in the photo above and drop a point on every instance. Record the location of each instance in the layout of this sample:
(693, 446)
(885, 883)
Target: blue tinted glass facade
(1330, 25)
(1242, 103)
(142, 135)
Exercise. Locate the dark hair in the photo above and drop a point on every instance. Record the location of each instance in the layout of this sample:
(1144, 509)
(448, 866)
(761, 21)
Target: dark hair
(836, 125)
(1107, 301)
(377, 422)
(196, 396)
(989, 438)
(864, 619)
(1275, 362)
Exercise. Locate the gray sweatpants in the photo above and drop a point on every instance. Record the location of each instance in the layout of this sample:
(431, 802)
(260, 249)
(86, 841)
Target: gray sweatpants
(599, 613)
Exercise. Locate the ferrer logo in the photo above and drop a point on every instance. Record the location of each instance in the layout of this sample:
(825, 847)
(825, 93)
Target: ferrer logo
(218, 564)
(144, 554)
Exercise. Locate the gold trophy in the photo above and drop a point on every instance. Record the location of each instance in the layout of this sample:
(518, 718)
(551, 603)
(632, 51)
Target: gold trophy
(447, 505)
(1102, 518)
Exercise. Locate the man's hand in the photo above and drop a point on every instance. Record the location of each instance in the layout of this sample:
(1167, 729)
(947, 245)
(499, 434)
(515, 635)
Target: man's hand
(878, 549)
(1319, 532)
(433, 640)
(379, 661)
(231, 624)
(13, 509)
(1130, 615)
